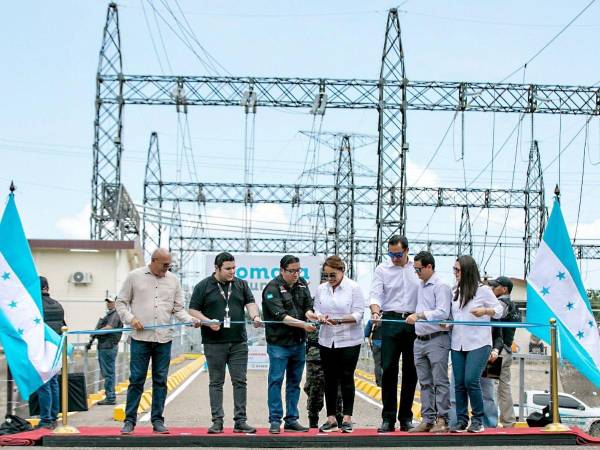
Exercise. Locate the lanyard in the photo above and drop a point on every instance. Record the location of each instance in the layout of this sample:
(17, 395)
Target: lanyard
(226, 298)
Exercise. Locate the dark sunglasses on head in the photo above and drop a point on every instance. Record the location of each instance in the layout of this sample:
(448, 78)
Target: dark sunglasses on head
(396, 254)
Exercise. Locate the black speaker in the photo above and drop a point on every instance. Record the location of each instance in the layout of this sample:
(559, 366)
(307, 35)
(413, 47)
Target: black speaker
(541, 419)
(77, 395)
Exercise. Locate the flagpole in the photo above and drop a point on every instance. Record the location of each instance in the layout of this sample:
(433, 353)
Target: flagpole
(555, 425)
(65, 428)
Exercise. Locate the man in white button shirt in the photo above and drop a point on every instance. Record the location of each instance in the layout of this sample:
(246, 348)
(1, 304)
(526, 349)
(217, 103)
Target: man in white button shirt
(432, 347)
(393, 297)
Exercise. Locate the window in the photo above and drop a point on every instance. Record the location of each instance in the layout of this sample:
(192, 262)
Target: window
(542, 399)
(568, 402)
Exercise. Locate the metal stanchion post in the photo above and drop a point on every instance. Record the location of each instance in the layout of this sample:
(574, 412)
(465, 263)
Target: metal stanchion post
(555, 425)
(65, 428)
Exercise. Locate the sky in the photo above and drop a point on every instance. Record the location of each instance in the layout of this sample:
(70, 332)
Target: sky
(47, 113)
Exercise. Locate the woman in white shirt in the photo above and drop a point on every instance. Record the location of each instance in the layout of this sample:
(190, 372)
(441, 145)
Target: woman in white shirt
(339, 306)
(471, 345)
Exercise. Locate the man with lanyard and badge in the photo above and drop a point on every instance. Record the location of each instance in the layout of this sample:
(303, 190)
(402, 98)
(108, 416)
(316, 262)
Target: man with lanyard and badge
(221, 298)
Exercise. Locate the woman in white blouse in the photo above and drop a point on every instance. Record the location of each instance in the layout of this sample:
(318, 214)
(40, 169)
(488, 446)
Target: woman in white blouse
(339, 306)
(471, 345)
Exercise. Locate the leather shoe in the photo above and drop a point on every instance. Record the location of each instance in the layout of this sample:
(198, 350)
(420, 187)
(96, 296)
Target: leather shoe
(216, 428)
(423, 427)
(406, 426)
(106, 402)
(295, 427)
(386, 427)
(128, 428)
(243, 428)
(159, 427)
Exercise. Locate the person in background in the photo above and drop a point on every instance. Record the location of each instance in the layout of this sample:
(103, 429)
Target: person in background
(108, 348)
(432, 346)
(502, 338)
(151, 295)
(339, 307)
(471, 345)
(393, 297)
(373, 335)
(48, 393)
(223, 297)
(286, 299)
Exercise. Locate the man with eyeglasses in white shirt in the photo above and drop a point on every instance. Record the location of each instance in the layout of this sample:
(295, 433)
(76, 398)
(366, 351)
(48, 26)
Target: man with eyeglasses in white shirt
(393, 297)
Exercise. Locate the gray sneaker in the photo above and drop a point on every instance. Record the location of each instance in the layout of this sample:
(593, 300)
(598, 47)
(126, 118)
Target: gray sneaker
(295, 427)
(128, 428)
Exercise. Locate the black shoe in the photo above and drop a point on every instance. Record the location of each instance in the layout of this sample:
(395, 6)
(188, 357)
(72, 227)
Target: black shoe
(128, 428)
(406, 426)
(46, 425)
(243, 428)
(159, 427)
(475, 428)
(313, 422)
(106, 402)
(328, 427)
(295, 427)
(216, 428)
(275, 428)
(346, 427)
(460, 428)
(386, 427)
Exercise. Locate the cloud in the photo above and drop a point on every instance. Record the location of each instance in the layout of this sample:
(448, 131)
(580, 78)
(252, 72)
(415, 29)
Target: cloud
(76, 226)
(416, 176)
(585, 230)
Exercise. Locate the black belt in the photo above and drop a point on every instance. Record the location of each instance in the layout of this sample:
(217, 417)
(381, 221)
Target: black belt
(402, 315)
(429, 337)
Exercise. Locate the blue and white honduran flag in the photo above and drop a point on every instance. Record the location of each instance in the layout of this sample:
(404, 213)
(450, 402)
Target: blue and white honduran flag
(555, 289)
(32, 348)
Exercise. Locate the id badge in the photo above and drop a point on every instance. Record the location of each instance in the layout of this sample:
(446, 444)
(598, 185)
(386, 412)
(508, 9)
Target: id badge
(227, 322)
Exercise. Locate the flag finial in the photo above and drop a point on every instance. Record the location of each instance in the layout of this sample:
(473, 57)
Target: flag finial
(557, 192)
(12, 187)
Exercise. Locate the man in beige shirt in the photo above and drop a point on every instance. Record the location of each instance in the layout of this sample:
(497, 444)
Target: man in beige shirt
(150, 296)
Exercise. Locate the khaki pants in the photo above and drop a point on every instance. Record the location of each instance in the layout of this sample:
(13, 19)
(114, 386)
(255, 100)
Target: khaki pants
(505, 401)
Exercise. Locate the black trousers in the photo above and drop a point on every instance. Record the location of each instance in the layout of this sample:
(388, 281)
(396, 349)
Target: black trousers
(397, 340)
(338, 367)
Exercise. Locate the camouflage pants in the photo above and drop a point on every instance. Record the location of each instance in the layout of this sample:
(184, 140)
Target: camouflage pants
(314, 387)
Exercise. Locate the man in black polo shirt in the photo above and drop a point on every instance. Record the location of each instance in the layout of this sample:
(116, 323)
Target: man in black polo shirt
(222, 297)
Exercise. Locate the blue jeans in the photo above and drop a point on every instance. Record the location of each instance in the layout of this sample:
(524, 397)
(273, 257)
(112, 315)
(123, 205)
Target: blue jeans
(490, 408)
(467, 367)
(106, 359)
(49, 400)
(285, 361)
(141, 353)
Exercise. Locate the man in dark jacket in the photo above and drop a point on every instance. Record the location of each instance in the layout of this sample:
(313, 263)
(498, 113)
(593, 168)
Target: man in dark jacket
(108, 349)
(48, 394)
(286, 299)
(502, 346)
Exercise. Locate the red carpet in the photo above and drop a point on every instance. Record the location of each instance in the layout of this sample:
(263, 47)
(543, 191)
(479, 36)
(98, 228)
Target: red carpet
(143, 436)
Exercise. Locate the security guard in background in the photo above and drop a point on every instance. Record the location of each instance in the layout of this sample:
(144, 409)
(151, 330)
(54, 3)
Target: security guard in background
(108, 349)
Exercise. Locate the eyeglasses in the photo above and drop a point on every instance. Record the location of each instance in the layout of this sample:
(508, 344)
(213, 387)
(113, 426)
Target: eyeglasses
(456, 269)
(330, 275)
(418, 269)
(293, 271)
(395, 255)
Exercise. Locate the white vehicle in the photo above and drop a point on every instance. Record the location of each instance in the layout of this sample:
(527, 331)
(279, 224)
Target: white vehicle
(573, 412)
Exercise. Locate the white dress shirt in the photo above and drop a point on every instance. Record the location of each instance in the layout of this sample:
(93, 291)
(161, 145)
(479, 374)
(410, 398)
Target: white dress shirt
(394, 288)
(347, 298)
(435, 298)
(465, 337)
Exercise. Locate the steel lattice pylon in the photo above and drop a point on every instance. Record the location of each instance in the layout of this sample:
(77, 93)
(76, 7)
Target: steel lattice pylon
(152, 230)
(535, 211)
(392, 146)
(465, 238)
(343, 215)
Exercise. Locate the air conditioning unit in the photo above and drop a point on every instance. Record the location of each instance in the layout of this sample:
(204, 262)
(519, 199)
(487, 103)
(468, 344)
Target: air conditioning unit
(81, 278)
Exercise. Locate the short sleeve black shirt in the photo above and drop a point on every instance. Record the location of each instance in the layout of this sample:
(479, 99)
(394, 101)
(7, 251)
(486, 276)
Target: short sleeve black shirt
(207, 299)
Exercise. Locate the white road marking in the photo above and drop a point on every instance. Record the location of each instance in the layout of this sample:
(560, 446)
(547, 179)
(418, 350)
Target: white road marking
(368, 399)
(179, 390)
